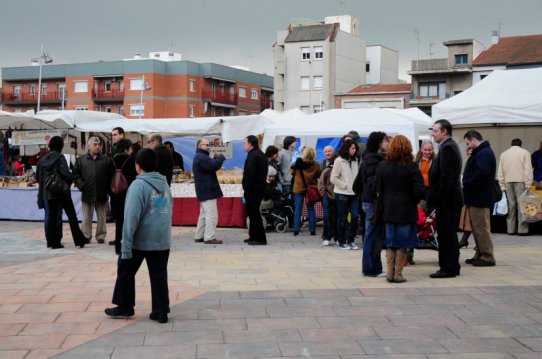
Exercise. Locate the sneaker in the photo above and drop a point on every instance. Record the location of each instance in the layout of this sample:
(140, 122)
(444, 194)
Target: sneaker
(325, 243)
(120, 313)
(159, 317)
(344, 246)
(353, 246)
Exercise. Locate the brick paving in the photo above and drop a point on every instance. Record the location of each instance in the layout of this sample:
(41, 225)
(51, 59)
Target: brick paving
(290, 299)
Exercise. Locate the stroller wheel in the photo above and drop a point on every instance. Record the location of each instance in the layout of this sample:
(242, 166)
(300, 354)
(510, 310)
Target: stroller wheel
(281, 226)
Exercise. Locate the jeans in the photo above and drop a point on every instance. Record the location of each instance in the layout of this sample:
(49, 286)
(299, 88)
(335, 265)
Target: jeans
(373, 242)
(345, 204)
(58, 227)
(329, 218)
(299, 198)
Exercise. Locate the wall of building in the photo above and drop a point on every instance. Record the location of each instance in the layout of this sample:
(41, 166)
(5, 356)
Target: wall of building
(350, 58)
(374, 57)
(389, 66)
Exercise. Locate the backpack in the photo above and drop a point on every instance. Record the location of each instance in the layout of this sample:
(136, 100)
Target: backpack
(119, 184)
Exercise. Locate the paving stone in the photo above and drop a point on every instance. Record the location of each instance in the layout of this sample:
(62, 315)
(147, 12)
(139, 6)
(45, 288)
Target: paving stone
(320, 311)
(352, 322)
(209, 324)
(491, 331)
(496, 319)
(414, 332)
(329, 347)
(337, 334)
(535, 344)
(252, 303)
(425, 320)
(195, 337)
(282, 323)
(401, 346)
(483, 345)
(238, 351)
(471, 356)
(230, 313)
(187, 351)
(262, 336)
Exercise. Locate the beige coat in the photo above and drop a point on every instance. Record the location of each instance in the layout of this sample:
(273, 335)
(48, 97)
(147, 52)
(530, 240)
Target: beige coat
(343, 175)
(515, 166)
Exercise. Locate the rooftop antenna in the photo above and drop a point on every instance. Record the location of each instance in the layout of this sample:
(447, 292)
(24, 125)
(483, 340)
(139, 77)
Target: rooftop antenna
(431, 44)
(499, 23)
(417, 33)
(341, 4)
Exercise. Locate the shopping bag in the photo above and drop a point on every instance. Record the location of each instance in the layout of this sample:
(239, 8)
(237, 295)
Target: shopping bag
(530, 207)
(501, 207)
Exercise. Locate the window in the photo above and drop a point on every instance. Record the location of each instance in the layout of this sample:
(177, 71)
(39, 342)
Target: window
(461, 59)
(32, 89)
(62, 91)
(107, 108)
(305, 83)
(305, 53)
(192, 85)
(107, 87)
(318, 52)
(121, 110)
(242, 92)
(317, 108)
(44, 89)
(191, 111)
(318, 82)
(434, 89)
(136, 84)
(368, 66)
(242, 113)
(81, 86)
(254, 94)
(482, 77)
(137, 110)
(81, 108)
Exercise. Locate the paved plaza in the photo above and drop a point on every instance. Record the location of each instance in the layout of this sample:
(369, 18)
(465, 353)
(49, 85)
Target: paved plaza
(290, 299)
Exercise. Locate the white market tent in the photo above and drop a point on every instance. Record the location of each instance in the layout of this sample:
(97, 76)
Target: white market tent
(411, 123)
(503, 97)
(47, 120)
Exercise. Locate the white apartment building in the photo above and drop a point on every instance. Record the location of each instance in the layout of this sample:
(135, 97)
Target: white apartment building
(313, 63)
(382, 66)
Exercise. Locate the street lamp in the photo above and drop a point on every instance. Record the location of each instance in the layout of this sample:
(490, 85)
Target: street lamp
(144, 87)
(47, 59)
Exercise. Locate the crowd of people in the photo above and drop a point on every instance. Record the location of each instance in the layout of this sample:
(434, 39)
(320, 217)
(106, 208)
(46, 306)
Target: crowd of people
(377, 189)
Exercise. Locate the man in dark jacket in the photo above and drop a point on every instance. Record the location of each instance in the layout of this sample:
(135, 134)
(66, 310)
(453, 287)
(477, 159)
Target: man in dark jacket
(446, 197)
(254, 182)
(93, 178)
(164, 164)
(178, 161)
(207, 190)
(478, 182)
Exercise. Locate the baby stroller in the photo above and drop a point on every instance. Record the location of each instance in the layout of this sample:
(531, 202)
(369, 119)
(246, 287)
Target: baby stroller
(427, 233)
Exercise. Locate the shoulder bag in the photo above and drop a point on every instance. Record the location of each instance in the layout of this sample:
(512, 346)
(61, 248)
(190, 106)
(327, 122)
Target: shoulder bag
(53, 181)
(311, 193)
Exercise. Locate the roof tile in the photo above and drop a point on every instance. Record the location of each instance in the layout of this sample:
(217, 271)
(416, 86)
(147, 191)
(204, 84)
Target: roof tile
(512, 50)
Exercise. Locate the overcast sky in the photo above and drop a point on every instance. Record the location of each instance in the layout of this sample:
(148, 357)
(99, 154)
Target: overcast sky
(242, 32)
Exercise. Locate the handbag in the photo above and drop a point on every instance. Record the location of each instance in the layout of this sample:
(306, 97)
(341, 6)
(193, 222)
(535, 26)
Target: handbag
(496, 191)
(311, 192)
(119, 184)
(54, 183)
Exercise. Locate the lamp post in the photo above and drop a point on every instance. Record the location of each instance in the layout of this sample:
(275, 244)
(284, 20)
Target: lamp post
(144, 87)
(44, 57)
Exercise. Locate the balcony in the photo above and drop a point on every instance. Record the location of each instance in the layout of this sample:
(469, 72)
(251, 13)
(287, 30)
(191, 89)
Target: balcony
(427, 100)
(28, 98)
(266, 103)
(220, 99)
(100, 95)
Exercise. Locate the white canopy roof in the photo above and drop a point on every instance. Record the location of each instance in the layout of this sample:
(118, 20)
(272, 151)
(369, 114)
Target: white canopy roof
(411, 123)
(46, 120)
(504, 96)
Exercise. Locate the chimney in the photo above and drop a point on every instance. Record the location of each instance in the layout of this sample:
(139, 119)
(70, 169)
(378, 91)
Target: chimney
(137, 56)
(494, 37)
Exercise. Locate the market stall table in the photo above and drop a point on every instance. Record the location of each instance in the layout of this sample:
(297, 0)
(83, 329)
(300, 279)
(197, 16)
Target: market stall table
(231, 211)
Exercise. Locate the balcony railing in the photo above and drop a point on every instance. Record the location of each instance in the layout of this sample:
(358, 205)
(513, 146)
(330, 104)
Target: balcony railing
(266, 103)
(425, 98)
(105, 96)
(26, 98)
(228, 99)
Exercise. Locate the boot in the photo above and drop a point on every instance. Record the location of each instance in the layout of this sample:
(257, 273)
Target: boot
(390, 263)
(399, 257)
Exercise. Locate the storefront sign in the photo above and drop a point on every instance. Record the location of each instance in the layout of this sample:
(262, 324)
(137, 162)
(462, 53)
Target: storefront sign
(216, 145)
(39, 137)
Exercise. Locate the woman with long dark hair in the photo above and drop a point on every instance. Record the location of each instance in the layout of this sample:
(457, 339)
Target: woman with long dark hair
(345, 170)
(55, 161)
(123, 160)
(399, 182)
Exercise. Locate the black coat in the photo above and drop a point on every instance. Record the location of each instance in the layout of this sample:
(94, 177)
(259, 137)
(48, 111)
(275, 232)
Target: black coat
(93, 177)
(402, 188)
(178, 160)
(444, 177)
(255, 173)
(50, 160)
(364, 182)
(164, 162)
(127, 163)
(204, 169)
(479, 177)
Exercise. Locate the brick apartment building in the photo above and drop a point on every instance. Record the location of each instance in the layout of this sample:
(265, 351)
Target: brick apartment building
(149, 88)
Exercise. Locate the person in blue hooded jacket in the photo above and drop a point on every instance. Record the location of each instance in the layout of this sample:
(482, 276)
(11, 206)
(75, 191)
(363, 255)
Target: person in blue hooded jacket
(146, 235)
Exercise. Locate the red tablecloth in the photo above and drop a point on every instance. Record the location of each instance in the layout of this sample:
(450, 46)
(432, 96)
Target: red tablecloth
(318, 210)
(231, 211)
